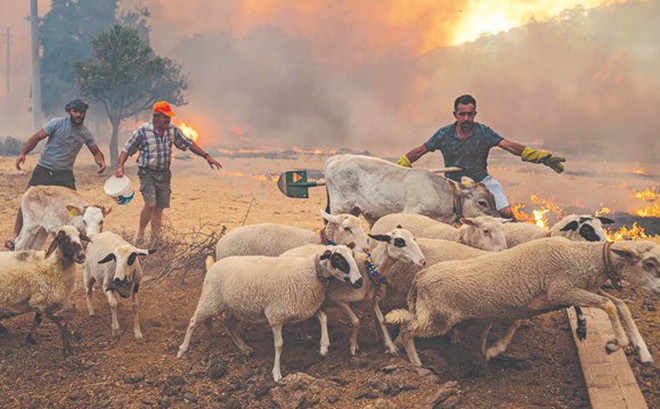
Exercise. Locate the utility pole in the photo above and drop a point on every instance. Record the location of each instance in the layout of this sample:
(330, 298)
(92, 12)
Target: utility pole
(36, 66)
(8, 61)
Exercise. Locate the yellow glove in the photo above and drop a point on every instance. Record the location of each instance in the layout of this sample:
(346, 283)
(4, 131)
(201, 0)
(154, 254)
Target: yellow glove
(404, 161)
(544, 157)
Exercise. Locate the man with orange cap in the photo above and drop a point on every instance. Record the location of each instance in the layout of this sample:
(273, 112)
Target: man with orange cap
(153, 140)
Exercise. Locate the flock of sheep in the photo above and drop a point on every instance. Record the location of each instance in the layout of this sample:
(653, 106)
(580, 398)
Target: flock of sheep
(413, 271)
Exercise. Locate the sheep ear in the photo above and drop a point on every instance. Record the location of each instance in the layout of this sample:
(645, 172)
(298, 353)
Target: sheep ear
(605, 220)
(107, 258)
(628, 254)
(398, 226)
(151, 251)
(54, 243)
(326, 255)
(74, 211)
(83, 237)
(132, 258)
(329, 217)
(381, 237)
(469, 221)
(570, 226)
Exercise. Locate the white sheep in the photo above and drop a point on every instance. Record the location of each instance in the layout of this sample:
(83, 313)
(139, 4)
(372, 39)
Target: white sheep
(270, 239)
(530, 279)
(47, 208)
(397, 246)
(121, 278)
(482, 232)
(575, 227)
(41, 281)
(274, 290)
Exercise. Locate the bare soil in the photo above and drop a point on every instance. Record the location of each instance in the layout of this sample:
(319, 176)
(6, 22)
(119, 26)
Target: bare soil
(541, 369)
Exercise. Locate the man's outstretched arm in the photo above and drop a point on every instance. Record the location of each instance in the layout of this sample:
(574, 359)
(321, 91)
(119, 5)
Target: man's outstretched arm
(528, 154)
(409, 158)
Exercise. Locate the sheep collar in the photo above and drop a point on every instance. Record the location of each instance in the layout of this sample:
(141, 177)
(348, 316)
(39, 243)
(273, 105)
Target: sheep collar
(325, 239)
(374, 276)
(609, 268)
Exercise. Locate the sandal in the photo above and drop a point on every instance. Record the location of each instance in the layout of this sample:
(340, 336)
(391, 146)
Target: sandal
(9, 245)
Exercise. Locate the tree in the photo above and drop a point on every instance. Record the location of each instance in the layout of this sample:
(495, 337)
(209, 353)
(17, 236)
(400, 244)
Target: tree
(126, 77)
(66, 33)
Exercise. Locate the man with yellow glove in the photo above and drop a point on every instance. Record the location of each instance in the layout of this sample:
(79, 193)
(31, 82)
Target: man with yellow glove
(466, 144)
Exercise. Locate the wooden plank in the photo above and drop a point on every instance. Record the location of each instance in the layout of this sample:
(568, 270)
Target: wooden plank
(609, 379)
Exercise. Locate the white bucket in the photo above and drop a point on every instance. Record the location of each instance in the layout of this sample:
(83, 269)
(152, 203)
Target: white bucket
(119, 189)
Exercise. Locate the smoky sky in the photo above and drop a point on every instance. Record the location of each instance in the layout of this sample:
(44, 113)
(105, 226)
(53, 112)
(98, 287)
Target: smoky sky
(334, 74)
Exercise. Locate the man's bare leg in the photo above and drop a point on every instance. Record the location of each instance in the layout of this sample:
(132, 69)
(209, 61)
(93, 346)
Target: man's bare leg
(146, 216)
(18, 225)
(156, 219)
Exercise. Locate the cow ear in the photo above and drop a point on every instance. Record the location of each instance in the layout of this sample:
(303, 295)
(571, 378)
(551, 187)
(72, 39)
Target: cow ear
(381, 237)
(105, 211)
(605, 220)
(457, 187)
(467, 181)
(74, 211)
(570, 226)
(109, 257)
(326, 255)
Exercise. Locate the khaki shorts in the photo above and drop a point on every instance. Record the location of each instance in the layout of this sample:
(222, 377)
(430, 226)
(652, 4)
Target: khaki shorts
(155, 187)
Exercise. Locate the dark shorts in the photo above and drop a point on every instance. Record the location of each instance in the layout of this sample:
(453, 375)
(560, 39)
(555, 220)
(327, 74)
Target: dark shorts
(45, 177)
(155, 187)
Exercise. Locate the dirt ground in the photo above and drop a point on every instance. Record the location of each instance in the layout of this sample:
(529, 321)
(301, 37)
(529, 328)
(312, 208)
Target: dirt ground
(541, 369)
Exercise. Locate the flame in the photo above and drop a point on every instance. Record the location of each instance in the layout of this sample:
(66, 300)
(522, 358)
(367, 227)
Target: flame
(648, 195)
(538, 216)
(189, 131)
(624, 233)
(637, 170)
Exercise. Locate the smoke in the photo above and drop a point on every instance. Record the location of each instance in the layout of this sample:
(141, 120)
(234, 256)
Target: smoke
(382, 75)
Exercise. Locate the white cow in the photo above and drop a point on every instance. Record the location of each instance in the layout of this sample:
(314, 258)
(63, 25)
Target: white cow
(47, 208)
(374, 187)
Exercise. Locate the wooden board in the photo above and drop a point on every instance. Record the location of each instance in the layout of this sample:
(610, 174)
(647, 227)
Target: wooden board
(609, 379)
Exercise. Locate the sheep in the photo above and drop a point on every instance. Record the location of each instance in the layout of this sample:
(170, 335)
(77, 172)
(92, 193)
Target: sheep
(270, 239)
(530, 279)
(41, 281)
(575, 227)
(123, 278)
(275, 290)
(483, 232)
(397, 245)
(47, 208)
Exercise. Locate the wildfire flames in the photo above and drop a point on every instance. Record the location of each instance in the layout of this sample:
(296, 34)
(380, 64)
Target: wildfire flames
(189, 131)
(548, 207)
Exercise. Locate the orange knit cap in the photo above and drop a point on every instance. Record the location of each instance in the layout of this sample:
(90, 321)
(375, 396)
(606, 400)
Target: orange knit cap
(162, 107)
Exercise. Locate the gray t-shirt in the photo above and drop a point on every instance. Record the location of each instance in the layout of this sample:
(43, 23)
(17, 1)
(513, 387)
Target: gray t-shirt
(64, 143)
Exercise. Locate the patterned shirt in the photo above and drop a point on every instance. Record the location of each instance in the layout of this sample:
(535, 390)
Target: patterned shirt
(65, 139)
(470, 154)
(155, 150)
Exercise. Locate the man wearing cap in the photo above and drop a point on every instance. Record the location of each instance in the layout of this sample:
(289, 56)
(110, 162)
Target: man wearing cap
(153, 140)
(66, 137)
(466, 144)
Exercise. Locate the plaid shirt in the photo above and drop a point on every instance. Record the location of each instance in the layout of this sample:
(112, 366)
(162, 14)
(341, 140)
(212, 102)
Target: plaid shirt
(155, 151)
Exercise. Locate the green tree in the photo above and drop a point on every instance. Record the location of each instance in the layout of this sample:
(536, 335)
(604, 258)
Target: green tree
(66, 33)
(126, 77)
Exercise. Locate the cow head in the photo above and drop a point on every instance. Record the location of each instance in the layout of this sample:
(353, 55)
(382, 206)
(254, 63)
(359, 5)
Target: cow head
(475, 198)
(89, 219)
